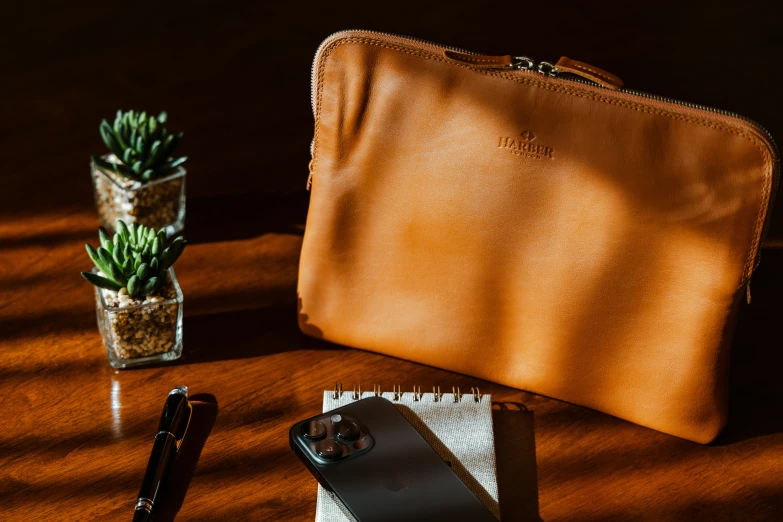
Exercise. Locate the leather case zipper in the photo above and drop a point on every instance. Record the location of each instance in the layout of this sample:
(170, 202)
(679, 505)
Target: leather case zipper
(565, 69)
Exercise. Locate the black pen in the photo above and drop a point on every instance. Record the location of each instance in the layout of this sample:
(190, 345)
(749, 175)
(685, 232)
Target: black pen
(171, 431)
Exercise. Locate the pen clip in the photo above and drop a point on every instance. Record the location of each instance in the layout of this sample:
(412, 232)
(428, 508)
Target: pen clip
(184, 423)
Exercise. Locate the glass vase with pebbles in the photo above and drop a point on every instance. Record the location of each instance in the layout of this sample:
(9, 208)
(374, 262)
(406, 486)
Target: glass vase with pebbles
(139, 331)
(140, 180)
(159, 203)
(137, 297)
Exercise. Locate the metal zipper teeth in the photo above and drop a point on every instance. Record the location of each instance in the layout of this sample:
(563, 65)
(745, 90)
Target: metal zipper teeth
(641, 94)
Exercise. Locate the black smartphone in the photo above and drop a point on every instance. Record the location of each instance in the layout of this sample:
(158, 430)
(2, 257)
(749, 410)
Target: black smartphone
(381, 468)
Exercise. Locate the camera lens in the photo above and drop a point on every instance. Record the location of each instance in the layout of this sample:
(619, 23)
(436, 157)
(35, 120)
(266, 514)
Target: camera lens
(346, 429)
(329, 449)
(314, 430)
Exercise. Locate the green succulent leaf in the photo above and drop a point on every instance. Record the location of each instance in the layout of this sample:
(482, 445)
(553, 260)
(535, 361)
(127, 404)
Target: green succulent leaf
(127, 267)
(179, 161)
(117, 275)
(108, 137)
(132, 136)
(104, 236)
(154, 153)
(176, 140)
(105, 130)
(171, 165)
(125, 171)
(96, 259)
(101, 282)
(122, 229)
(132, 233)
(105, 257)
(117, 129)
(167, 148)
(151, 286)
(136, 258)
(103, 164)
(114, 167)
(118, 256)
(128, 155)
(134, 286)
(140, 137)
(144, 272)
(172, 253)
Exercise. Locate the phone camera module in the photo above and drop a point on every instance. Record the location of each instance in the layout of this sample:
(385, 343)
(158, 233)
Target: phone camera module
(314, 430)
(329, 449)
(347, 430)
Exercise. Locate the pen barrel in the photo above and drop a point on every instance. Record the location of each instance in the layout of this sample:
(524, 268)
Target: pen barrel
(162, 454)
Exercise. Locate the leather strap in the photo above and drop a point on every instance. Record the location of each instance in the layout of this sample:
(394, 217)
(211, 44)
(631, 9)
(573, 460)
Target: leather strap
(589, 72)
(477, 60)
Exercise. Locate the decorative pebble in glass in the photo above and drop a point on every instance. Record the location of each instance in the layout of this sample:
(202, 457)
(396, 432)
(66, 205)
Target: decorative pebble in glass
(141, 331)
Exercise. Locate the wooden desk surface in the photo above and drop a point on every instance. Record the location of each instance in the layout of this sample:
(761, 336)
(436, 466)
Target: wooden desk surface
(76, 434)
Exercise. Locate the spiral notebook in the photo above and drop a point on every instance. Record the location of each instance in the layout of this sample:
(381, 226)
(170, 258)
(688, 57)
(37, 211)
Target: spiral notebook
(458, 426)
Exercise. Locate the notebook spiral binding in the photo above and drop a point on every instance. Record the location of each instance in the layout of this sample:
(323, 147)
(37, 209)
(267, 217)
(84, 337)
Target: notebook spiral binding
(437, 396)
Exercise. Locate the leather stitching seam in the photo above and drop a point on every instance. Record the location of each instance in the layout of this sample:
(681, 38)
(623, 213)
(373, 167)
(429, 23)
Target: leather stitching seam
(600, 74)
(475, 60)
(572, 91)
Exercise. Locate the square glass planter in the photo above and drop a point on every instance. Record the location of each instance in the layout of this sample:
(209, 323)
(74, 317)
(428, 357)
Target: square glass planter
(145, 333)
(159, 203)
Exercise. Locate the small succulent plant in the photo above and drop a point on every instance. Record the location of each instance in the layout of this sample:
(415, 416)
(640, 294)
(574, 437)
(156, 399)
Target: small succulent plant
(136, 258)
(142, 145)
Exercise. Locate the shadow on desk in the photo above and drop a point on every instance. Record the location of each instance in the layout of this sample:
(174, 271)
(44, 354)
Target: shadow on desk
(175, 485)
(515, 457)
(756, 378)
(239, 334)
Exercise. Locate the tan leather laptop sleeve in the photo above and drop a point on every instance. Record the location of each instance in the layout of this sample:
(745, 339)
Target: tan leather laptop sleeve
(576, 241)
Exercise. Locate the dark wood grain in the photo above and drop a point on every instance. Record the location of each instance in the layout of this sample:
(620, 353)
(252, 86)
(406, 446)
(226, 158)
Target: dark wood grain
(76, 434)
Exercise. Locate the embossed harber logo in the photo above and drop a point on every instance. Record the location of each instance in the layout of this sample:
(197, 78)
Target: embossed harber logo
(525, 145)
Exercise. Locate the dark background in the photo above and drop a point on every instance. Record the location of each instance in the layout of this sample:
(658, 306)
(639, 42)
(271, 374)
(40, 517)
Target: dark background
(235, 76)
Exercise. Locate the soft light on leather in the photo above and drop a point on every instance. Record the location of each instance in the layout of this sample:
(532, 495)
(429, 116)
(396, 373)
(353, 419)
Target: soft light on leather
(604, 272)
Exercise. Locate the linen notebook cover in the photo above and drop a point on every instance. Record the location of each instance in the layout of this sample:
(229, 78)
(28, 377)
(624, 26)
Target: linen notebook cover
(459, 430)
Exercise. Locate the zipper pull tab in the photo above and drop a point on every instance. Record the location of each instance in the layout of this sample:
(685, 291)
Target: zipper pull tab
(747, 291)
(480, 61)
(588, 72)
